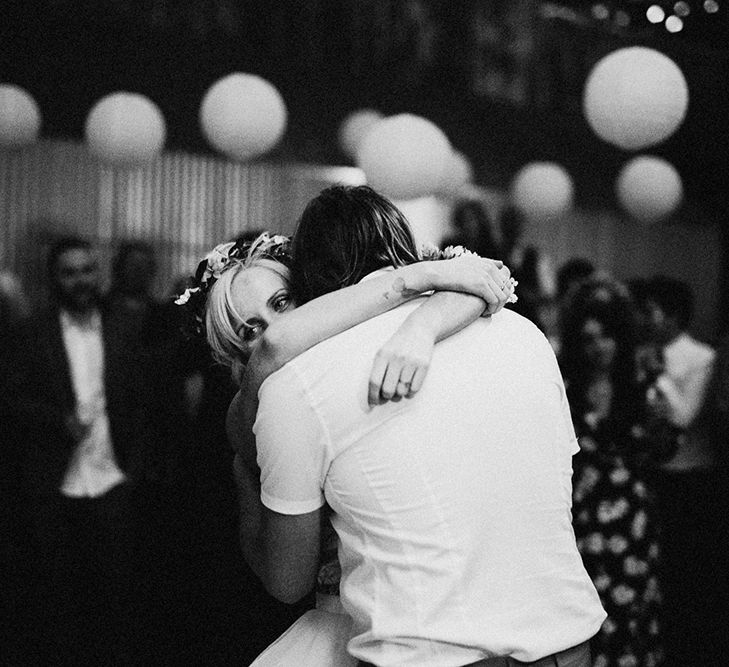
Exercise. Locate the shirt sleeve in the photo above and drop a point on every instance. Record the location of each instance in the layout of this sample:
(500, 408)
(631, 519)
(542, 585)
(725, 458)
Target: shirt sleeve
(685, 397)
(555, 374)
(292, 446)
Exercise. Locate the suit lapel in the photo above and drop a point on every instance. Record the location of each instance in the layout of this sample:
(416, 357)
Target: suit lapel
(59, 373)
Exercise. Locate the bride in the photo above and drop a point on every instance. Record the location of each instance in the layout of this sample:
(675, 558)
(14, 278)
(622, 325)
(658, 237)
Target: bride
(242, 301)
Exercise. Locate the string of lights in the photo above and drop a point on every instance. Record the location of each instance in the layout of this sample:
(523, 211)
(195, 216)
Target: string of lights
(704, 19)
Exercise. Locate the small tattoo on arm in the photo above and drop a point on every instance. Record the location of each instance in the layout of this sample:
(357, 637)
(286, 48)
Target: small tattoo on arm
(399, 287)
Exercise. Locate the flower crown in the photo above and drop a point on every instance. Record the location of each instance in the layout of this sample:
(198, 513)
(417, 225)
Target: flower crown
(221, 258)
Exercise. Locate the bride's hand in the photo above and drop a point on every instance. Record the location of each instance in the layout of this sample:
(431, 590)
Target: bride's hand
(486, 278)
(401, 364)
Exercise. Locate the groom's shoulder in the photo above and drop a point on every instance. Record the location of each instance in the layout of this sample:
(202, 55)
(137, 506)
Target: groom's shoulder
(516, 322)
(346, 351)
(377, 328)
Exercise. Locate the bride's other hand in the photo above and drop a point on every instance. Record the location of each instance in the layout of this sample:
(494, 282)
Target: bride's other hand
(485, 278)
(401, 364)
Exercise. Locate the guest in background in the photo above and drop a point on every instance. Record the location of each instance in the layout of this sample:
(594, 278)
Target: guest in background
(689, 484)
(530, 267)
(87, 421)
(148, 328)
(572, 273)
(688, 364)
(614, 504)
(14, 303)
(649, 354)
(473, 229)
(715, 415)
(569, 275)
(716, 405)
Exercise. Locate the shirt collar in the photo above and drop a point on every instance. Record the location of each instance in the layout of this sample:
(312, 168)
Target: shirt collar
(92, 323)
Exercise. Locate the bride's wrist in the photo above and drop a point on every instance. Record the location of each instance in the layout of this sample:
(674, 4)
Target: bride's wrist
(414, 279)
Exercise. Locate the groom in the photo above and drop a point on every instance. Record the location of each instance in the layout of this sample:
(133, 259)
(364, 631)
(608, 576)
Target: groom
(452, 507)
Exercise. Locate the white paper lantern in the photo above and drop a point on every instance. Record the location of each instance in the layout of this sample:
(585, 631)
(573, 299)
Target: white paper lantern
(635, 97)
(125, 129)
(649, 188)
(20, 118)
(542, 190)
(354, 128)
(404, 156)
(243, 116)
(458, 174)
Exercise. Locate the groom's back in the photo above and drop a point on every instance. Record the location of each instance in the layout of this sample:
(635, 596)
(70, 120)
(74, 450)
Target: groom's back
(453, 508)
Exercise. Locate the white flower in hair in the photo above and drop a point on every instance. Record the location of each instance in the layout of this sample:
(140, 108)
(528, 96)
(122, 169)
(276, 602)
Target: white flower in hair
(217, 259)
(454, 251)
(429, 251)
(185, 296)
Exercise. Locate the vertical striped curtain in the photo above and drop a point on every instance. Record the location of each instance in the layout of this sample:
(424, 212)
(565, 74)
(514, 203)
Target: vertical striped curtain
(181, 204)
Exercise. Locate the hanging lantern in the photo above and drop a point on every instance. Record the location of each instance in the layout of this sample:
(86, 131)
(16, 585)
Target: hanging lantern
(635, 97)
(20, 118)
(404, 156)
(125, 129)
(243, 116)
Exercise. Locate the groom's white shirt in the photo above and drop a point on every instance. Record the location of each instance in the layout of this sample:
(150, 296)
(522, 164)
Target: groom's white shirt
(453, 507)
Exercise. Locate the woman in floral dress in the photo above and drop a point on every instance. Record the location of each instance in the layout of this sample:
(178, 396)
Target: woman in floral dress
(613, 503)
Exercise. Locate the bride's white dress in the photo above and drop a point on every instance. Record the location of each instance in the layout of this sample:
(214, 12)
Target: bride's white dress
(317, 639)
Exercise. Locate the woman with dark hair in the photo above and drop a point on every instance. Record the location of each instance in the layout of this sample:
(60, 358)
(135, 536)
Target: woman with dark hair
(613, 503)
(473, 228)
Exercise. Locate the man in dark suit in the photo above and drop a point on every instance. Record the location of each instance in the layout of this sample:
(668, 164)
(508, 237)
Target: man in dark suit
(88, 417)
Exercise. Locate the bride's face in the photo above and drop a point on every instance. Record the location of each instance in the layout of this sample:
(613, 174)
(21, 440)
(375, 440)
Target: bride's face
(260, 296)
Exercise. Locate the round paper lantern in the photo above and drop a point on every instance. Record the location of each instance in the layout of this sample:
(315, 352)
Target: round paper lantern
(20, 118)
(243, 116)
(404, 156)
(649, 188)
(542, 190)
(458, 173)
(125, 129)
(353, 129)
(635, 97)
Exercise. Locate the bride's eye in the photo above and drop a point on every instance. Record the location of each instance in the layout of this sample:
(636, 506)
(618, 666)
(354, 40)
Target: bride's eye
(249, 332)
(281, 303)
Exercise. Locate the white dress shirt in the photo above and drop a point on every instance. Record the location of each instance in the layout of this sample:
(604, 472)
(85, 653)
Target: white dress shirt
(688, 368)
(92, 469)
(453, 508)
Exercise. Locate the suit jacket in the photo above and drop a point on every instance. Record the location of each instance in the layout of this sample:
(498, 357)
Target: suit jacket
(38, 395)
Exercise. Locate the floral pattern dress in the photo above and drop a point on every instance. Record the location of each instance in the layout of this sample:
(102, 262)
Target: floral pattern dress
(613, 509)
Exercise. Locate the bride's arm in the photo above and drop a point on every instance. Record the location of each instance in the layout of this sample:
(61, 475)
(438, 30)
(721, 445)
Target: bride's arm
(341, 309)
(406, 354)
(402, 363)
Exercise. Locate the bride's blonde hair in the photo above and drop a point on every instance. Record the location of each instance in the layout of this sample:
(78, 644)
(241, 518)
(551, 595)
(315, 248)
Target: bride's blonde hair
(208, 298)
(222, 320)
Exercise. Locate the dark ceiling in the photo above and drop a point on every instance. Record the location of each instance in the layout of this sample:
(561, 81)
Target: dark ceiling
(502, 78)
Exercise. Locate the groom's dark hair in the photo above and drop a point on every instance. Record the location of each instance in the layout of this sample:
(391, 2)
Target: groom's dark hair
(343, 234)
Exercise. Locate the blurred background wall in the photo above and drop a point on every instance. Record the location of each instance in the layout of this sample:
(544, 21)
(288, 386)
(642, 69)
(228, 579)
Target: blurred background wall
(503, 78)
(183, 204)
